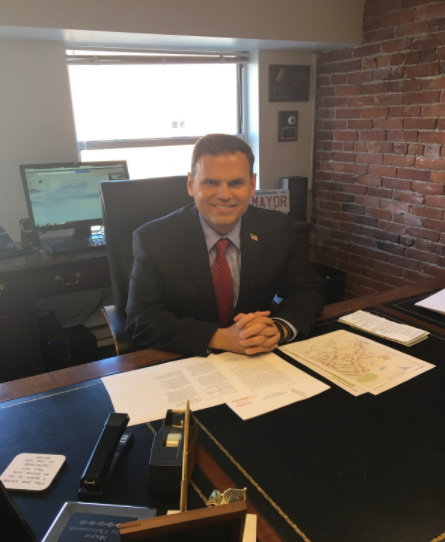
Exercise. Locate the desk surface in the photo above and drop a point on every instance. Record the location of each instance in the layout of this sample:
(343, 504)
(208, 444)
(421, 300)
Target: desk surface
(210, 463)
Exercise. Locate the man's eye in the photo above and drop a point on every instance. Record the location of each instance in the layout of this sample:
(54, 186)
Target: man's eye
(236, 183)
(210, 183)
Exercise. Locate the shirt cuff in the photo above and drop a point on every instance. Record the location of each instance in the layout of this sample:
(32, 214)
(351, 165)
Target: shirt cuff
(294, 331)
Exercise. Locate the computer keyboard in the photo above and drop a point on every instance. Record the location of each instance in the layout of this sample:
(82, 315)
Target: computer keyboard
(75, 245)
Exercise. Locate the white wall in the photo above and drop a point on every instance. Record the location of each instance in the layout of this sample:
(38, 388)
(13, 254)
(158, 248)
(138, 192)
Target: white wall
(337, 21)
(36, 124)
(292, 157)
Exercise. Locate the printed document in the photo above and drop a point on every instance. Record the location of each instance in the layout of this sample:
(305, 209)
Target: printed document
(435, 302)
(362, 362)
(146, 394)
(273, 382)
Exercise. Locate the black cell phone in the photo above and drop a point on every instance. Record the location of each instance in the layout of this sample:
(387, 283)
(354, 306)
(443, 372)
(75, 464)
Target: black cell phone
(13, 526)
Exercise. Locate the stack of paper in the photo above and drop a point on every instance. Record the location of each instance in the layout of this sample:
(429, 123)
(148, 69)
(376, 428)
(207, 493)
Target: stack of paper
(355, 363)
(435, 302)
(392, 331)
(251, 386)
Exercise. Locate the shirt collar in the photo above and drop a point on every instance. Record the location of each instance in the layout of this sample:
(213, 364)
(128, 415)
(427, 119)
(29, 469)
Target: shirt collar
(212, 236)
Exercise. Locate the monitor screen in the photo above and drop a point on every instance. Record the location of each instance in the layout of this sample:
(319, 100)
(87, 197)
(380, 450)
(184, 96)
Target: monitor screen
(64, 196)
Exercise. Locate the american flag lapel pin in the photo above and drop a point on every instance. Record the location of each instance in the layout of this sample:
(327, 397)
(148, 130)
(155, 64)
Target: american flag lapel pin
(254, 237)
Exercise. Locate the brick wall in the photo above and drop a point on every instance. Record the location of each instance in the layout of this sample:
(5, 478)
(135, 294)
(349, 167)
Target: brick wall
(379, 200)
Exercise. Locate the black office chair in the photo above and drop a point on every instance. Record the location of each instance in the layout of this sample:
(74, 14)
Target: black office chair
(126, 205)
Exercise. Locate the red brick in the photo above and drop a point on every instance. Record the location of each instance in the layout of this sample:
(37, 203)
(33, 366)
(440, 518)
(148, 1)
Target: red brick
(434, 271)
(323, 80)
(422, 97)
(441, 124)
(372, 135)
(430, 163)
(400, 148)
(415, 277)
(435, 201)
(438, 177)
(379, 213)
(392, 227)
(389, 74)
(428, 55)
(389, 247)
(349, 66)
(397, 45)
(325, 113)
(386, 146)
(432, 151)
(359, 124)
(336, 56)
(399, 17)
(432, 137)
(404, 262)
(325, 91)
(345, 136)
(359, 147)
(397, 59)
(368, 201)
(360, 77)
(411, 29)
(411, 85)
(389, 124)
(343, 157)
(420, 123)
(427, 212)
(360, 101)
(335, 124)
(430, 11)
(412, 57)
(377, 8)
(374, 88)
(408, 111)
(335, 102)
(379, 192)
(404, 161)
(416, 150)
(432, 111)
(323, 135)
(378, 35)
(374, 112)
(343, 177)
(365, 50)
(388, 268)
(434, 84)
(382, 171)
(430, 40)
(413, 174)
(348, 90)
(369, 180)
(371, 24)
(420, 255)
(398, 184)
(383, 61)
(389, 99)
(424, 234)
(427, 188)
(347, 113)
(339, 79)
(369, 158)
(401, 135)
(355, 189)
(356, 168)
(368, 64)
(408, 197)
(422, 70)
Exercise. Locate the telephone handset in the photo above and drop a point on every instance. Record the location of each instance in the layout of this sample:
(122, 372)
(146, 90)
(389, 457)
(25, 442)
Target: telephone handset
(9, 248)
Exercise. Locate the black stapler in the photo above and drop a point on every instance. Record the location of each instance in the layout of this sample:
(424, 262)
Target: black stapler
(107, 452)
(167, 451)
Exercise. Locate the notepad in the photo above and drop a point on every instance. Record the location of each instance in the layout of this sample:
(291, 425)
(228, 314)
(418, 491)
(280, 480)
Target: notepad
(391, 331)
(435, 302)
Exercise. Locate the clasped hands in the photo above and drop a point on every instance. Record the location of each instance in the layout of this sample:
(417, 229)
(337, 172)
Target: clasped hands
(250, 334)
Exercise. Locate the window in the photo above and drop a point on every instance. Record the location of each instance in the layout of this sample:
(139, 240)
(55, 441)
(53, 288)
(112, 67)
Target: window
(149, 109)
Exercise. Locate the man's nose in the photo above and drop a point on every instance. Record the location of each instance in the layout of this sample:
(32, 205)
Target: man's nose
(224, 191)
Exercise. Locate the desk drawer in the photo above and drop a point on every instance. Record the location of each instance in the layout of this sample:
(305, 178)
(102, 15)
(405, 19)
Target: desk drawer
(14, 284)
(71, 277)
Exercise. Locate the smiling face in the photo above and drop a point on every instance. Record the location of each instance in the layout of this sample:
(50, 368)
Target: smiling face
(222, 188)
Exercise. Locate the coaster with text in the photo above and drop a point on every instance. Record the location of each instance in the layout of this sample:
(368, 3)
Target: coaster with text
(32, 472)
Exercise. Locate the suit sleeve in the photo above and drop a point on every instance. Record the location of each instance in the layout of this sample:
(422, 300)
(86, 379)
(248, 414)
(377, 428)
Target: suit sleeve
(300, 289)
(149, 322)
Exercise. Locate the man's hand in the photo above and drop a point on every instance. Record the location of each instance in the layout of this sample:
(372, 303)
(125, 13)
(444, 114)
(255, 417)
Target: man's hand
(228, 339)
(258, 333)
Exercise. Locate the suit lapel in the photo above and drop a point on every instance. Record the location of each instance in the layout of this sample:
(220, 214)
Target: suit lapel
(250, 258)
(197, 258)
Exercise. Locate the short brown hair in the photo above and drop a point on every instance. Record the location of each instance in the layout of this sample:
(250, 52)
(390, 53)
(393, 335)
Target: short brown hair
(217, 144)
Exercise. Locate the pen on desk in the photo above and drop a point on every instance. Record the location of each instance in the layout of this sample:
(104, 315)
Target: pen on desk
(184, 482)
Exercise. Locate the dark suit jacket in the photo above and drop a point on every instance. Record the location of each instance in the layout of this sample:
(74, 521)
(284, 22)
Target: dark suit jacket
(171, 302)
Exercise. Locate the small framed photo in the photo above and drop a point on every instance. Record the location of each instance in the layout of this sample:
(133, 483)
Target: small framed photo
(289, 82)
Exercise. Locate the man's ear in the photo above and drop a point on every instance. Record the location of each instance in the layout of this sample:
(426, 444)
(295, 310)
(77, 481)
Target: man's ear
(190, 185)
(253, 185)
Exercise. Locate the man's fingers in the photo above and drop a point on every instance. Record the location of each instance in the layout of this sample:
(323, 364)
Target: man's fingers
(260, 349)
(242, 319)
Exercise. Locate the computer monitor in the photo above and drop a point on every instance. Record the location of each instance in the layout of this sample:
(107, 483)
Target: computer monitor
(66, 195)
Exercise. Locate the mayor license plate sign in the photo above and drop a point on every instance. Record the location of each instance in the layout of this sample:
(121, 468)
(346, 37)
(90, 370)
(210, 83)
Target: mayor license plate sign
(271, 199)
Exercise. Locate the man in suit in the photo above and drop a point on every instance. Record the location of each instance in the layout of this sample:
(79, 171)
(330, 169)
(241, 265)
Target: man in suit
(205, 276)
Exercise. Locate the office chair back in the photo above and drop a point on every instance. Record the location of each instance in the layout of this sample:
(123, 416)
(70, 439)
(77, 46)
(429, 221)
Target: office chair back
(126, 205)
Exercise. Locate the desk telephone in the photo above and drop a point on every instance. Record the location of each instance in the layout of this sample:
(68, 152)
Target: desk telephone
(9, 248)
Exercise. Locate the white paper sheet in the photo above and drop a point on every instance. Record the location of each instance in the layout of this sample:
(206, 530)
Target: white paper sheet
(361, 361)
(435, 302)
(146, 394)
(274, 382)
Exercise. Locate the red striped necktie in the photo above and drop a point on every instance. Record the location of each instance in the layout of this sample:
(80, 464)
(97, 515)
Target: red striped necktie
(222, 284)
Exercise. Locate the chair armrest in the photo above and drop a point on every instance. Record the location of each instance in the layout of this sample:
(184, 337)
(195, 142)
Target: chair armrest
(115, 318)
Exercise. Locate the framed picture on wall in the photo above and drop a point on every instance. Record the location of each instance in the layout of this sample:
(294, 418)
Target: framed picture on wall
(289, 82)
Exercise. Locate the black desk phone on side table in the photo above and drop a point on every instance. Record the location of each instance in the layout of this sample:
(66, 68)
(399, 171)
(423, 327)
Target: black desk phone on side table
(9, 248)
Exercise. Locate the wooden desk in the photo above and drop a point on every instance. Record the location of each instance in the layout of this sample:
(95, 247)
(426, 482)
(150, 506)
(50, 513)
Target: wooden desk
(32, 276)
(216, 475)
